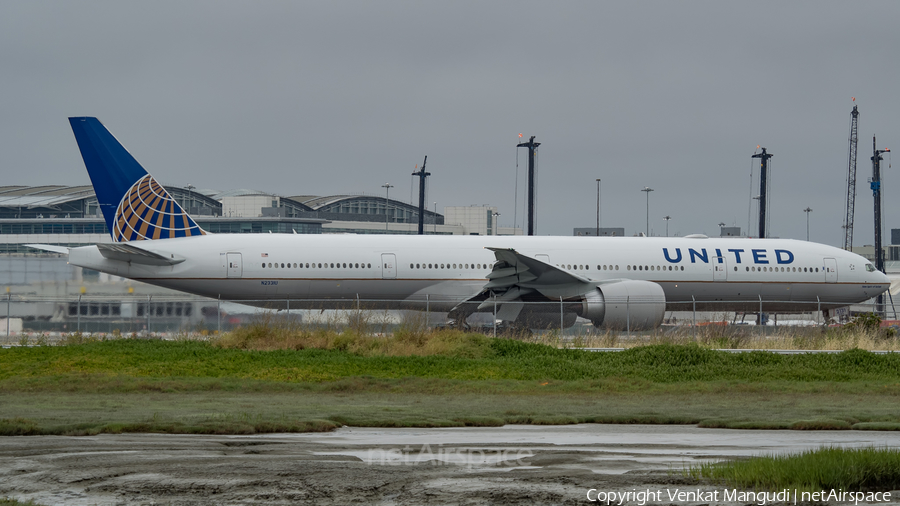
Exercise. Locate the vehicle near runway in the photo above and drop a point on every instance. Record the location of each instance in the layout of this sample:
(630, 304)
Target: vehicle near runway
(616, 282)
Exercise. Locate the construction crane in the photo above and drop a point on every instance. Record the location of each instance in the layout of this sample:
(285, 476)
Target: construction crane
(851, 180)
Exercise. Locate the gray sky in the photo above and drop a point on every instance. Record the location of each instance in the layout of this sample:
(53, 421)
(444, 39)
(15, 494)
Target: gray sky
(336, 97)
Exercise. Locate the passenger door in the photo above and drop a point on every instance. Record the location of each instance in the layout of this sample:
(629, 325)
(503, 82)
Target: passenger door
(720, 269)
(388, 266)
(831, 275)
(234, 266)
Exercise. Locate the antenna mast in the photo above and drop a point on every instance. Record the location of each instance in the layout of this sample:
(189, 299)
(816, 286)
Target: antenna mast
(851, 180)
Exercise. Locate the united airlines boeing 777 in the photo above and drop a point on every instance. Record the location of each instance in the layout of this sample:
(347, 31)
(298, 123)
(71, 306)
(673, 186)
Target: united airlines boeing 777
(614, 282)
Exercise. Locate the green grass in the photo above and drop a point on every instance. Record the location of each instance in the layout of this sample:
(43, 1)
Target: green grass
(497, 359)
(132, 385)
(6, 501)
(850, 469)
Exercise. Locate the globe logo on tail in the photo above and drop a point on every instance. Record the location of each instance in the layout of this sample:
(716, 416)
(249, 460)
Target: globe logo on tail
(148, 212)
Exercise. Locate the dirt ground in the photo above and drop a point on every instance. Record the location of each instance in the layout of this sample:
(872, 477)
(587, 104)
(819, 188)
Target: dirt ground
(476, 466)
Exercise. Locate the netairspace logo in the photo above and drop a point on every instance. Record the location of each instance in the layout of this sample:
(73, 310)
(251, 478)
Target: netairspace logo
(784, 496)
(448, 456)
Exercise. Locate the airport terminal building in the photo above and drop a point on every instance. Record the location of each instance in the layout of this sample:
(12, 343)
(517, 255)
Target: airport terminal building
(70, 215)
(49, 294)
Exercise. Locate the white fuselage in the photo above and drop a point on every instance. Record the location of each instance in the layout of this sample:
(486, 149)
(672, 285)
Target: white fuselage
(405, 271)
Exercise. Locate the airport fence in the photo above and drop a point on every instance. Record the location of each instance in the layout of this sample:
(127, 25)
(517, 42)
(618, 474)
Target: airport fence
(32, 317)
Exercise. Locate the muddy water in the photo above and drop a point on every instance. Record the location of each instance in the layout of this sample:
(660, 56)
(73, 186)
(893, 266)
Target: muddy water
(499, 465)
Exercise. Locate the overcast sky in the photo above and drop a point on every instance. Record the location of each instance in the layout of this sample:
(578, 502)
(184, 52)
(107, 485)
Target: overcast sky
(320, 98)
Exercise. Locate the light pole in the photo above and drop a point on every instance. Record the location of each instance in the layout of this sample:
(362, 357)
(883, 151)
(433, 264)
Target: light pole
(598, 207)
(387, 190)
(647, 190)
(435, 218)
(495, 215)
(807, 211)
(667, 218)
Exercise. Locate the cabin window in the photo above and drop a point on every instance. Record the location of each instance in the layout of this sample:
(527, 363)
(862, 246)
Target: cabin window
(264, 265)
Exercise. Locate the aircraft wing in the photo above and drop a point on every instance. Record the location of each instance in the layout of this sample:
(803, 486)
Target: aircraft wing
(126, 252)
(50, 247)
(516, 277)
(514, 270)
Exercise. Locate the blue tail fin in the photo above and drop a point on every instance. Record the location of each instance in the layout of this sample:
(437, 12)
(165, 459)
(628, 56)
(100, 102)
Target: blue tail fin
(134, 205)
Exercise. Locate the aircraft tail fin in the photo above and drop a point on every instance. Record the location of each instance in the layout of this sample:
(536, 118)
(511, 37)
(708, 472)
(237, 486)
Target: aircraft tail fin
(135, 206)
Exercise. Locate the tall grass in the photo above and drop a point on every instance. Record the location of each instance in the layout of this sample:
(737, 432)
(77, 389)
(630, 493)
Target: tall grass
(827, 468)
(716, 336)
(412, 338)
(444, 354)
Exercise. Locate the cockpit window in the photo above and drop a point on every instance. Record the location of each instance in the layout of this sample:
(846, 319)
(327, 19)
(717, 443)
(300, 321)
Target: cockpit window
(870, 268)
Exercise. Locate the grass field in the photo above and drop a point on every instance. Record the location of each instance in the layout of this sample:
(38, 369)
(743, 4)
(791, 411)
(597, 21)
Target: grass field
(271, 380)
(845, 469)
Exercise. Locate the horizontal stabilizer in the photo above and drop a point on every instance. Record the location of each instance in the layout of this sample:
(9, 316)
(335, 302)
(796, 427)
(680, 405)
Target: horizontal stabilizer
(50, 247)
(128, 253)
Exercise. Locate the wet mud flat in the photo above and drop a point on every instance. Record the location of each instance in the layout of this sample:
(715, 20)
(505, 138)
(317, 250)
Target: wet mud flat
(477, 466)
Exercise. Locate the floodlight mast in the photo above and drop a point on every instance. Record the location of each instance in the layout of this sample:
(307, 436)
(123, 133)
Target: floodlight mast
(422, 175)
(875, 184)
(763, 186)
(532, 147)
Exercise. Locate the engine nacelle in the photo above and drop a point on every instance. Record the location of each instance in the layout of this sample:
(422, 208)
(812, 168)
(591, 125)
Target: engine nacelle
(626, 304)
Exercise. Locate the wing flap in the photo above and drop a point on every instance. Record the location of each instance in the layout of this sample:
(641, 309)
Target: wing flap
(515, 277)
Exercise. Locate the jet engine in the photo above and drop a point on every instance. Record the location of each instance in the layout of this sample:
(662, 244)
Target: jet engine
(626, 304)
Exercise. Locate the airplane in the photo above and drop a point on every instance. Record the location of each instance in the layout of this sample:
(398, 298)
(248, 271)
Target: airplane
(615, 282)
